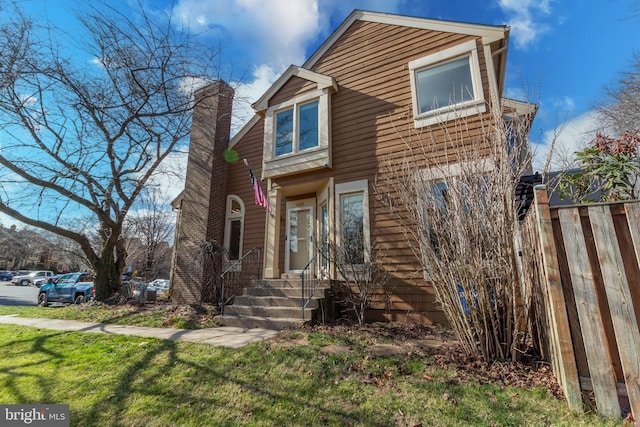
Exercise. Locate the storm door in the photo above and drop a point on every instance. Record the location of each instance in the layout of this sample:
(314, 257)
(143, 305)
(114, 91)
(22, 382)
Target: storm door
(299, 234)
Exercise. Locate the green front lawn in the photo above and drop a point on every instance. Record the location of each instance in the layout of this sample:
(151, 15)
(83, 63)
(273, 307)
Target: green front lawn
(159, 315)
(302, 378)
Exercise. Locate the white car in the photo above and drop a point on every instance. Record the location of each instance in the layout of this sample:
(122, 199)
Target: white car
(32, 278)
(161, 286)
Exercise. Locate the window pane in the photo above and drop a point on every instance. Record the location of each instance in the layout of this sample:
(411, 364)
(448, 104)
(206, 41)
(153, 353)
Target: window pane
(444, 85)
(284, 132)
(236, 208)
(352, 228)
(308, 125)
(234, 239)
(440, 191)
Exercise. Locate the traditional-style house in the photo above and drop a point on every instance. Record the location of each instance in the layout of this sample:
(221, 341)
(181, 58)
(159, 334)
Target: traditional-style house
(315, 147)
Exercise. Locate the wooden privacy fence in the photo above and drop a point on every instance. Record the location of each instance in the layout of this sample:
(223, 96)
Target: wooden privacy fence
(582, 264)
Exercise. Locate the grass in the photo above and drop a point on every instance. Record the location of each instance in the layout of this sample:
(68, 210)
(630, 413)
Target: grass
(302, 378)
(153, 315)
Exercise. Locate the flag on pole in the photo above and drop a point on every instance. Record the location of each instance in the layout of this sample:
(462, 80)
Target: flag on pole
(258, 195)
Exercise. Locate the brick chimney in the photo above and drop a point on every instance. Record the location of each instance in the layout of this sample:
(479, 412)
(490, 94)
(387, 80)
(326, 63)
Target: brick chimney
(202, 209)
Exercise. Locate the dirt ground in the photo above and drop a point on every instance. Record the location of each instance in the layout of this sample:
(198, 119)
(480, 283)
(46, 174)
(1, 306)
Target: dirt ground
(441, 345)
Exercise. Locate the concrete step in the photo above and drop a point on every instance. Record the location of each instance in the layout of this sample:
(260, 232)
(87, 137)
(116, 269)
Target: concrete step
(250, 322)
(277, 292)
(269, 312)
(271, 304)
(291, 283)
(273, 301)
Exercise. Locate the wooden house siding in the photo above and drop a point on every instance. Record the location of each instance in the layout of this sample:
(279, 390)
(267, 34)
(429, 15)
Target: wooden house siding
(371, 107)
(239, 184)
(292, 88)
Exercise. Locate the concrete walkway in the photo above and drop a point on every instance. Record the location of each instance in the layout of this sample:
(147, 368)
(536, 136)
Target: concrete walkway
(224, 336)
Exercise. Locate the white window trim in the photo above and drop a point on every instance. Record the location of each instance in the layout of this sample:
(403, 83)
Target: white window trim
(297, 161)
(295, 143)
(477, 105)
(360, 186)
(227, 224)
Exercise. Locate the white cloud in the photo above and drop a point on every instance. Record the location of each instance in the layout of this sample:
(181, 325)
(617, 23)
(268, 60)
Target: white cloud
(524, 17)
(8, 221)
(274, 32)
(570, 136)
(169, 177)
(248, 93)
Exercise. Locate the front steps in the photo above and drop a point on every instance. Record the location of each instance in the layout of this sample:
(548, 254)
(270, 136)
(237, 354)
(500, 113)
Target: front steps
(272, 304)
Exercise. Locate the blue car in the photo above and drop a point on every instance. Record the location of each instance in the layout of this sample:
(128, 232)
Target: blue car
(71, 288)
(5, 276)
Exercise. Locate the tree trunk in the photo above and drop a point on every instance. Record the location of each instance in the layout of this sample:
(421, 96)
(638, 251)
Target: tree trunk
(108, 269)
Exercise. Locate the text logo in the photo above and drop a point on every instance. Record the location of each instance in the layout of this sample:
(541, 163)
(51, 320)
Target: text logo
(34, 415)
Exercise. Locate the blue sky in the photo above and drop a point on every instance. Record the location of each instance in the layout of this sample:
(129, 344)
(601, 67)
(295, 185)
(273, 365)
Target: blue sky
(561, 54)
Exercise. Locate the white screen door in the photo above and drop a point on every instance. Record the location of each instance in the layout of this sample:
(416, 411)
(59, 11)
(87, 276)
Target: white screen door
(300, 220)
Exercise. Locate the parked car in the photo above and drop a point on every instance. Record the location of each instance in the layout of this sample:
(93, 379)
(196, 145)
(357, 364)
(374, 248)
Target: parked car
(28, 279)
(138, 289)
(54, 279)
(39, 281)
(160, 286)
(75, 288)
(7, 275)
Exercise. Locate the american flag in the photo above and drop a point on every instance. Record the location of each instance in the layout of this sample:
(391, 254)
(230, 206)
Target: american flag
(258, 195)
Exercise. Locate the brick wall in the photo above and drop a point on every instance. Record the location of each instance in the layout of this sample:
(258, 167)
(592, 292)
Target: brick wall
(204, 197)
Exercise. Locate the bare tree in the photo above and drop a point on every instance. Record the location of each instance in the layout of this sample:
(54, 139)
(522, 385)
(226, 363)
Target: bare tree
(152, 225)
(622, 114)
(84, 130)
(66, 253)
(453, 195)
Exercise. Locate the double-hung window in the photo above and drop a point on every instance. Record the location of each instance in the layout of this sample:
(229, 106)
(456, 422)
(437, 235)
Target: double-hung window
(447, 84)
(296, 128)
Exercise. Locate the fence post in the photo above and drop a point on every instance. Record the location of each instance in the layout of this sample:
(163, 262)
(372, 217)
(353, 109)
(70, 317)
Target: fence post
(558, 320)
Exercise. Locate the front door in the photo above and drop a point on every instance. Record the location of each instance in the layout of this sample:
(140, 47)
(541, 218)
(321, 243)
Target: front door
(300, 231)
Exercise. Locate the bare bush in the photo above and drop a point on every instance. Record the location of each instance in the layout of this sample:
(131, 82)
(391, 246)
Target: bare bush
(362, 277)
(452, 192)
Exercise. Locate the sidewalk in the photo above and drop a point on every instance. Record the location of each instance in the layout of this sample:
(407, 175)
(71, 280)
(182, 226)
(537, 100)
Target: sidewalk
(224, 336)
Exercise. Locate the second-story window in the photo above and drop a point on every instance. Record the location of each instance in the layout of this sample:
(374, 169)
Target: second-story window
(296, 128)
(444, 85)
(447, 84)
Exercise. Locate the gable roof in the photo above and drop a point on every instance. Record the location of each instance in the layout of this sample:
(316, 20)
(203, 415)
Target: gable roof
(321, 80)
(489, 33)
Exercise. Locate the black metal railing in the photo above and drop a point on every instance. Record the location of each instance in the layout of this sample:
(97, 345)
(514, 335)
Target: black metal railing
(240, 274)
(310, 282)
